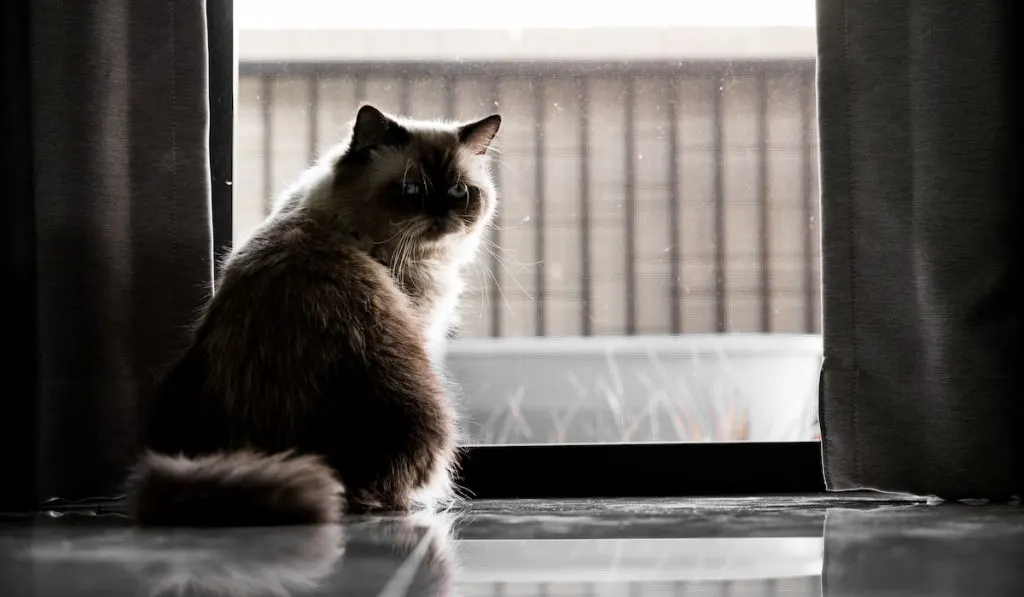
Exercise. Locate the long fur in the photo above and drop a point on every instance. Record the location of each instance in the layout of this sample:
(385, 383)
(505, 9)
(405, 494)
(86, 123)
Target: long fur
(233, 489)
(313, 382)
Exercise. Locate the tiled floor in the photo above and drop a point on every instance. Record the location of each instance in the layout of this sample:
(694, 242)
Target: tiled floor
(833, 546)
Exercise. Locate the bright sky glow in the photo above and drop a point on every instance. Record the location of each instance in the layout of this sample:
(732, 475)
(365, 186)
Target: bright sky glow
(519, 14)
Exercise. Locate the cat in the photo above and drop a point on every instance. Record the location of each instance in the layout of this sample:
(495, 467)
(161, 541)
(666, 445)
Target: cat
(312, 384)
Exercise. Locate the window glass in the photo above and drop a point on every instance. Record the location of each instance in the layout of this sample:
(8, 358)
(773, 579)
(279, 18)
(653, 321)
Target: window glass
(653, 272)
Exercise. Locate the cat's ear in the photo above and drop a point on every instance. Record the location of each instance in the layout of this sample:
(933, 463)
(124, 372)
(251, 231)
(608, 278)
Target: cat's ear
(477, 136)
(373, 128)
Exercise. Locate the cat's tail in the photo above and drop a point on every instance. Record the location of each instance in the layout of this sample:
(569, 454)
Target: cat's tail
(239, 488)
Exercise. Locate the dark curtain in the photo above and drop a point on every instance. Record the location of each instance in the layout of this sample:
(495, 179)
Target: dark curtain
(922, 227)
(106, 230)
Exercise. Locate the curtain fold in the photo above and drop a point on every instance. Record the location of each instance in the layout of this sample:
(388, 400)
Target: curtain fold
(118, 213)
(921, 388)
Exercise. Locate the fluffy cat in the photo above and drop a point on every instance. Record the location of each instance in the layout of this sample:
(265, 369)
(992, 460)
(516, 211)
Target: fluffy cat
(311, 385)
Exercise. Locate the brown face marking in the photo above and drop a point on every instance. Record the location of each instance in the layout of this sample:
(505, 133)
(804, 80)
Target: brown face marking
(427, 179)
(431, 186)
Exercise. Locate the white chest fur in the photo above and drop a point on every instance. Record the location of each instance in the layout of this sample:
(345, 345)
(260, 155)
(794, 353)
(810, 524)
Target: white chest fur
(434, 289)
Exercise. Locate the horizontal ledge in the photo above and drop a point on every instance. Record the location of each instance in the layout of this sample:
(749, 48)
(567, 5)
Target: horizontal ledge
(616, 43)
(426, 67)
(641, 470)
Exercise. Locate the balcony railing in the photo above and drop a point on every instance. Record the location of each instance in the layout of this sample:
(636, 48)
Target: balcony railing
(638, 198)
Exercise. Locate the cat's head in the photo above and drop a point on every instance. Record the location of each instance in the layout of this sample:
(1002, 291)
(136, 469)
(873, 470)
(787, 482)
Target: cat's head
(425, 185)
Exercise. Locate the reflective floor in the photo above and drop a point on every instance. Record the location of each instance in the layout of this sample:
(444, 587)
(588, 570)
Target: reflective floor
(796, 546)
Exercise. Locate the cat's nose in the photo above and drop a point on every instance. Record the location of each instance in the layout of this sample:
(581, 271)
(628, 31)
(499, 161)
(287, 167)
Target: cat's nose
(440, 208)
(446, 206)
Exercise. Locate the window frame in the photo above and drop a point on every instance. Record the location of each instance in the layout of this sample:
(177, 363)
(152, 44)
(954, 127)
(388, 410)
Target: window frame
(631, 470)
(222, 60)
(607, 470)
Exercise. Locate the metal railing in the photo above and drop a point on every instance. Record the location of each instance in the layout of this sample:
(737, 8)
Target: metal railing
(735, 147)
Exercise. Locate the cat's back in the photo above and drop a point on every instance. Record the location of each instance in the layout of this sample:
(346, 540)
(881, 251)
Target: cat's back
(294, 241)
(299, 252)
(292, 303)
(296, 280)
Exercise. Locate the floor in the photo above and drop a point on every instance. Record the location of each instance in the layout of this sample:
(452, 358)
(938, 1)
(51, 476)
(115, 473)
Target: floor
(794, 546)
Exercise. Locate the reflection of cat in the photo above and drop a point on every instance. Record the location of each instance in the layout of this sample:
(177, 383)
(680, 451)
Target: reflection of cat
(386, 555)
(423, 543)
(311, 373)
(248, 562)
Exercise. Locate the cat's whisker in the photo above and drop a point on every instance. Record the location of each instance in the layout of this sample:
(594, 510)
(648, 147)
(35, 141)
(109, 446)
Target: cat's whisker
(397, 250)
(407, 257)
(403, 256)
(401, 228)
(491, 246)
(497, 161)
(415, 230)
(501, 293)
(513, 278)
(493, 150)
(484, 271)
(482, 274)
(427, 186)
(400, 253)
(405, 173)
(481, 286)
(517, 226)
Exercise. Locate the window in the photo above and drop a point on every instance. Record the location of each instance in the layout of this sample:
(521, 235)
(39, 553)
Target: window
(653, 275)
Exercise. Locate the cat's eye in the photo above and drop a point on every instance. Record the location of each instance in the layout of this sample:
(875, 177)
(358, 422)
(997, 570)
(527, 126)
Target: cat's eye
(410, 188)
(458, 190)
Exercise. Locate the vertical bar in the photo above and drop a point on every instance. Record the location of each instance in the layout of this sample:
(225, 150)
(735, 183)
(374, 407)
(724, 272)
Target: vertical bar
(586, 283)
(266, 117)
(538, 213)
(806, 163)
(313, 116)
(719, 194)
(762, 201)
(403, 96)
(495, 265)
(449, 97)
(223, 80)
(675, 240)
(630, 191)
(359, 86)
